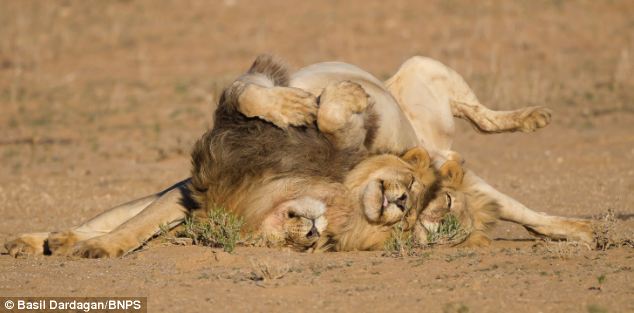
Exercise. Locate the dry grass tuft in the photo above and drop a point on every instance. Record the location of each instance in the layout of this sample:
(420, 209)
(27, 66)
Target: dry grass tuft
(220, 229)
(606, 235)
(263, 270)
(562, 250)
(404, 243)
(401, 243)
(449, 232)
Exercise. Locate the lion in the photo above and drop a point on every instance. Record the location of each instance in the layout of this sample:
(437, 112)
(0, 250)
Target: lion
(416, 107)
(476, 213)
(264, 160)
(285, 182)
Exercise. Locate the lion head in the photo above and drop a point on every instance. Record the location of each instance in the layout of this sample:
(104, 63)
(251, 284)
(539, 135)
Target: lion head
(297, 223)
(475, 212)
(383, 189)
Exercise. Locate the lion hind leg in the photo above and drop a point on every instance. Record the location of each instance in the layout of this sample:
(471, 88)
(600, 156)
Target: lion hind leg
(526, 120)
(27, 244)
(425, 87)
(544, 225)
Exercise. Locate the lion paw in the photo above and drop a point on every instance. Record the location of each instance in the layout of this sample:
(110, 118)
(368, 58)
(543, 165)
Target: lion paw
(347, 94)
(339, 102)
(62, 243)
(582, 230)
(96, 249)
(25, 245)
(570, 229)
(534, 118)
(293, 106)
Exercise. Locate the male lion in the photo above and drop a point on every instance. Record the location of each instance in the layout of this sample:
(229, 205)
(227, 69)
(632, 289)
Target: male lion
(416, 107)
(281, 181)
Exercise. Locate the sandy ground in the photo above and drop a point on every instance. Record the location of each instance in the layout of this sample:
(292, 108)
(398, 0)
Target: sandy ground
(101, 102)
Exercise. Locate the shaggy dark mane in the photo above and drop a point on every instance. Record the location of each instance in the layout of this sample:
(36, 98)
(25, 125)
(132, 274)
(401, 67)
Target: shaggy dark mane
(240, 149)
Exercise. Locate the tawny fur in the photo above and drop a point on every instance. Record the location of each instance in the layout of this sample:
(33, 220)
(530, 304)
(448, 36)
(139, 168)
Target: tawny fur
(248, 165)
(349, 228)
(416, 106)
(476, 212)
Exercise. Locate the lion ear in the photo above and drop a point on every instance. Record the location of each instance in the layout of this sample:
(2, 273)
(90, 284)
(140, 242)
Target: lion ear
(451, 174)
(418, 157)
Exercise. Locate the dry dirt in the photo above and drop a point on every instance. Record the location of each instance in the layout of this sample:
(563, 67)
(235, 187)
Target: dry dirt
(101, 102)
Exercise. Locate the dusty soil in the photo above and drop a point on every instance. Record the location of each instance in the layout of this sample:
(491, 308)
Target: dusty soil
(101, 102)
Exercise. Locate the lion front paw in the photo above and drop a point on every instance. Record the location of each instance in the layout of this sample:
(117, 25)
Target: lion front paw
(62, 243)
(24, 245)
(294, 107)
(348, 95)
(339, 102)
(534, 118)
(97, 249)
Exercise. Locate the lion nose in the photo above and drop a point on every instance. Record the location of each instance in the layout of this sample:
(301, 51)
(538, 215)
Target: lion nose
(401, 201)
(313, 232)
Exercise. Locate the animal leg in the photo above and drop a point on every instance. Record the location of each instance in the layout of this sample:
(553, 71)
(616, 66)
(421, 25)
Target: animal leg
(526, 120)
(170, 209)
(61, 243)
(282, 106)
(431, 94)
(343, 114)
(26, 244)
(540, 224)
(259, 93)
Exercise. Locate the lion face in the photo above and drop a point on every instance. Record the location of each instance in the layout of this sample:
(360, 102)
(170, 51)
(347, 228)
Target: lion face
(447, 199)
(390, 195)
(297, 223)
(476, 212)
(390, 186)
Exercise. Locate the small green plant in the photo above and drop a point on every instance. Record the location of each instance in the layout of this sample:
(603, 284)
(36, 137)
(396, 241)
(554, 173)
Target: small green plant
(593, 308)
(219, 229)
(449, 231)
(455, 308)
(401, 242)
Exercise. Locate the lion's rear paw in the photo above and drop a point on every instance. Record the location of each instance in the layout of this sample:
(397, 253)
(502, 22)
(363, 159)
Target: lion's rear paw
(96, 249)
(582, 231)
(566, 229)
(25, 245)
(534, 118)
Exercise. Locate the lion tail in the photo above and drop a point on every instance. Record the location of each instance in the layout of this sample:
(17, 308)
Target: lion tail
(272, 67)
